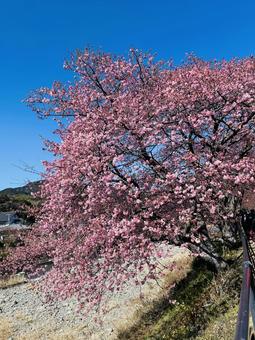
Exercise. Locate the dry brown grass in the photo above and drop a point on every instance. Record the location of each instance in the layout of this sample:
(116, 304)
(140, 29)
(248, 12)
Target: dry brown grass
(12, 281)
(39, 331)
(5, 328)
(68, 333)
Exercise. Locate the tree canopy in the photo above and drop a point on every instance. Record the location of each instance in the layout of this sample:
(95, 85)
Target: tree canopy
(148, 153)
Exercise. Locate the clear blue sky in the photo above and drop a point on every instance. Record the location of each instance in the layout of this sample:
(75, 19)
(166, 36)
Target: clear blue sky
(37, 36)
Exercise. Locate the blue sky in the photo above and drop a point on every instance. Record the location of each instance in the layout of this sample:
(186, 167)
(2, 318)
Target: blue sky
(37, 36)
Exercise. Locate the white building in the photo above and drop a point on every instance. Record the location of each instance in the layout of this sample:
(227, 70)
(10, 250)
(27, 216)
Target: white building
(7, 218)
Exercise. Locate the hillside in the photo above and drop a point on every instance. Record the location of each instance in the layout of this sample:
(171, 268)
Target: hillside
(27, 189)
(20, 200)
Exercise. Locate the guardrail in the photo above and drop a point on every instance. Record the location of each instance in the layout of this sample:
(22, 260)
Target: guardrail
(246, 315)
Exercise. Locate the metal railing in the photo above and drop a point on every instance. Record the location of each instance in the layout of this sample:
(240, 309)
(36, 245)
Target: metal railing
(246, 315)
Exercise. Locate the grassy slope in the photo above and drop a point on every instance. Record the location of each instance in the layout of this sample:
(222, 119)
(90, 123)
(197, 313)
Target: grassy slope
(205, 308)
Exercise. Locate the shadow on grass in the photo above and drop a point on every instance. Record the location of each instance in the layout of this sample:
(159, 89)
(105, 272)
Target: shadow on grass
(200, 297)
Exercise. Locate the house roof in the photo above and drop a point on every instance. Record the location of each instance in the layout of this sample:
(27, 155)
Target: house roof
(5, 216)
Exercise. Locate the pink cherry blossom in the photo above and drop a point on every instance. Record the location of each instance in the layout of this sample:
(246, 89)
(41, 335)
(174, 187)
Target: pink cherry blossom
(147, 153)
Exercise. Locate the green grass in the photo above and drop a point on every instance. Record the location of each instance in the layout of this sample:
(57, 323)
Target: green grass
(201, 298)
(221, 328)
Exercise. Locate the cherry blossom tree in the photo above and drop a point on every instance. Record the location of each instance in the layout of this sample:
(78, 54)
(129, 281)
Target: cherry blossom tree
(149, 153)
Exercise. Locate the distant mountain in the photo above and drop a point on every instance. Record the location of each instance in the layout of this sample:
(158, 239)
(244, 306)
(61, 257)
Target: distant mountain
(28, 189)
